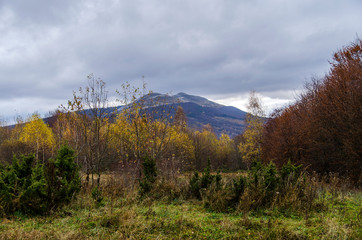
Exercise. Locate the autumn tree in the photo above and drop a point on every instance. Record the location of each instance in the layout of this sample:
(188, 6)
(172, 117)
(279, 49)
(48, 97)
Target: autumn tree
(95, 98)
(88, 126)
(143, 124)
(225, 153)
(4, 132)
(11, 145)
(322, 129)
(180, 152)
(250, 146)
(205, 143)
(39, 136)
(180, 118)
(57, 121)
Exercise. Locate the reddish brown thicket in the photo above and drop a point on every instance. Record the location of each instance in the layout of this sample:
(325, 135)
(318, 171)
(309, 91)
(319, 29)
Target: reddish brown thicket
(323, 129)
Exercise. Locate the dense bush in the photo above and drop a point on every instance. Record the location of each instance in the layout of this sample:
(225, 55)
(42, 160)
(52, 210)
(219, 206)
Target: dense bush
(62, 175)
(23, 187)
(263, 187)
(197, 183)
(149, 174)
(30, 187)
(238, 187)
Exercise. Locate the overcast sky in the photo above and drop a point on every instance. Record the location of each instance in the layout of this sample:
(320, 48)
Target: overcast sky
(217, 49)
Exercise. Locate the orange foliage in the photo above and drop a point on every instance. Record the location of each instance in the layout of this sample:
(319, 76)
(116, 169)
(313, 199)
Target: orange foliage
(323, 128)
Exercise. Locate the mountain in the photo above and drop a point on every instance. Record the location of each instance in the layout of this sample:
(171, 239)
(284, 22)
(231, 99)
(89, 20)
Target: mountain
(200, 111)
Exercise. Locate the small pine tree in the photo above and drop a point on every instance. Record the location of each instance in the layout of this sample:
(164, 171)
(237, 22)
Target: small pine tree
(149, 169)
(67, 173)
(207, 178)
(149, 174)
(239, 188)
(33, 197)
(195, 185)
(271, 179)
(290, 172)
(257, 170)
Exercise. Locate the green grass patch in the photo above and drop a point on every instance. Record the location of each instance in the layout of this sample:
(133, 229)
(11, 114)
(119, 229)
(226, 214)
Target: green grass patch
(124, 219)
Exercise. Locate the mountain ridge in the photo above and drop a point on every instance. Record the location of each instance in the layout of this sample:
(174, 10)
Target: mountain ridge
(200, 111)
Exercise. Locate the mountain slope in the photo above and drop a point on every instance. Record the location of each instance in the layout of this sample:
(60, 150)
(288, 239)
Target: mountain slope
(200, 111)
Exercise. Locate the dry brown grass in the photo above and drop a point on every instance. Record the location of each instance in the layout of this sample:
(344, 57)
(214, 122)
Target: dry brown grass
(169, 213)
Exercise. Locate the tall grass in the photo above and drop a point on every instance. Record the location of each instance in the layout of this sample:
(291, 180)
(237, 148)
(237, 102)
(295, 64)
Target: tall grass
(237, 206)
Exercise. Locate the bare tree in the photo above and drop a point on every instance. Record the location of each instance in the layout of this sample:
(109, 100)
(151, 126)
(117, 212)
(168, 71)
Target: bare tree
(89, 116)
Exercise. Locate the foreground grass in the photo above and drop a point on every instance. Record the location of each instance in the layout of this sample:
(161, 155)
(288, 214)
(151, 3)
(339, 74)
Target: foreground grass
(128, 218)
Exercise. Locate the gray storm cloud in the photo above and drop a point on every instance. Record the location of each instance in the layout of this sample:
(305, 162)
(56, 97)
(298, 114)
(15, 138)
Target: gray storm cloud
(212, 48)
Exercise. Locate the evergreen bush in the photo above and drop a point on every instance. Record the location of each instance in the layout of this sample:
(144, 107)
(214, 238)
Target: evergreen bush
(204, 182)
(239, 188)
(195, 186)
(97, 195)
(149, 175)
(262, 187)
(207, 178)
(290, 172)
(29, 187)
(64, 183)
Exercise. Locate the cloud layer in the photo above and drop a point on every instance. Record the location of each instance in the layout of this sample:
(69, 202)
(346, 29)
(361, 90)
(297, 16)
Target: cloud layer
(218, 49)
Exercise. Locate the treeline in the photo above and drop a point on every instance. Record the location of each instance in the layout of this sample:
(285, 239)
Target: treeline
(111, 139)
(323, 129)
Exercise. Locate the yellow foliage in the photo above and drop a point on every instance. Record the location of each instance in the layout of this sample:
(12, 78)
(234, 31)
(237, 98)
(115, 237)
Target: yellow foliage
(224, 147)
(37, 134)
(208, 138)
(250, 146)
(181, 145)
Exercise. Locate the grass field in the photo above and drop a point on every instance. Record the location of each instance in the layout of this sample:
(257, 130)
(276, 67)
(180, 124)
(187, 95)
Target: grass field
(123, 215)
